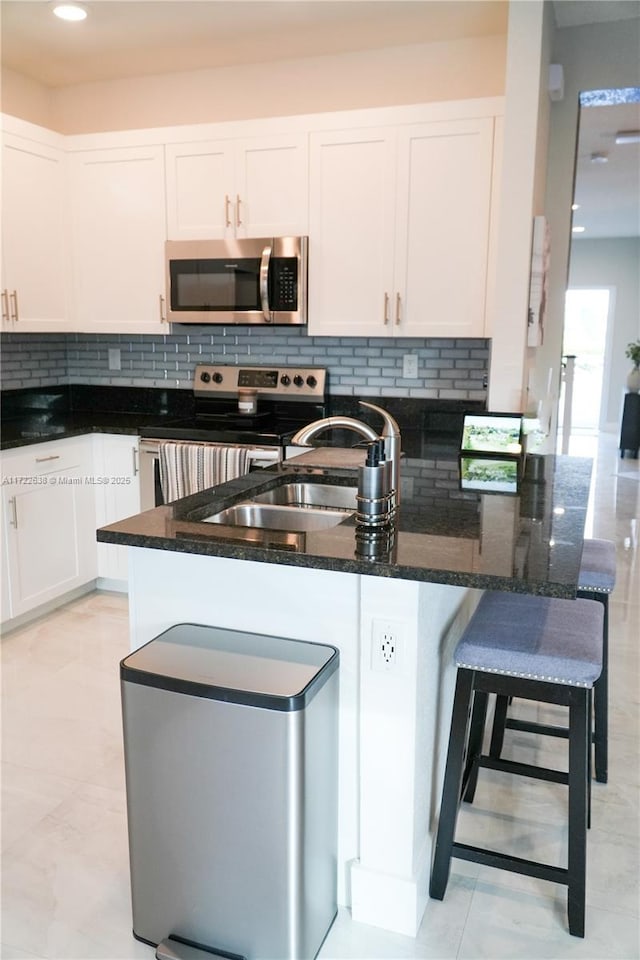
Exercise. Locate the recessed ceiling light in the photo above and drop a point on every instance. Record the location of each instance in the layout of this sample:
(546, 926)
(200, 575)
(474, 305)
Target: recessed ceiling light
(70, 11)
(578, 229)
(575, 206)
(599, 158)
(628, 136)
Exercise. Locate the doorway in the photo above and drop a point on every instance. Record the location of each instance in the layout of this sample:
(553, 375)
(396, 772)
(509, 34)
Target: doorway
(586, 327)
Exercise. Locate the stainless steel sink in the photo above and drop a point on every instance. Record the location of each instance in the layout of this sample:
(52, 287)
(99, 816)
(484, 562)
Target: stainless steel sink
(307, 495)
(276, 517)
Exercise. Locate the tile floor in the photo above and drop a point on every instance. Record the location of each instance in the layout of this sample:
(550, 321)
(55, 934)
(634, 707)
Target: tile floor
(65, 888)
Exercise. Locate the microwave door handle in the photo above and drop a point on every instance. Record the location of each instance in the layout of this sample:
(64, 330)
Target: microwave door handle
(264, 282)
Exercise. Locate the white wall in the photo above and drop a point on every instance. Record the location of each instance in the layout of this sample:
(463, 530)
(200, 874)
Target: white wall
(612, 263)
(417, 73)
(521, 192)
(596, 56)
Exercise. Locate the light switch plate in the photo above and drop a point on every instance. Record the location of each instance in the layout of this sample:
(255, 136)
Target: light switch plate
(410, 366)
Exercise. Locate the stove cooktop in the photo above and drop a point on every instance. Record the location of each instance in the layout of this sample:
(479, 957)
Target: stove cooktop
(287, 398)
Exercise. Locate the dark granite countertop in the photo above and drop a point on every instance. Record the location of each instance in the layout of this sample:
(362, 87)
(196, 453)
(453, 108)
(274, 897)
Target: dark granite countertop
(36, 415)
(530, 542)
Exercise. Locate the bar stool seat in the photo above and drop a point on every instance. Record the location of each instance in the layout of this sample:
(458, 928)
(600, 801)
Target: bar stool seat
(596, 581)
(539, 649)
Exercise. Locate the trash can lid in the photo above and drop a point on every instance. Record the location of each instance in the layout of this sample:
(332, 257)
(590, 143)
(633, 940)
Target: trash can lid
(250, 668)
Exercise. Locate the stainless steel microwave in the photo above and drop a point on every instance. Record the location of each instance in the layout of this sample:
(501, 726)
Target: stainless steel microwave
(237, 281)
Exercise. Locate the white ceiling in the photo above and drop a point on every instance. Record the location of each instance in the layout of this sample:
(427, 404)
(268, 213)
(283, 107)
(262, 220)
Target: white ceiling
(608, 193)
(576, 13)
(128, 38)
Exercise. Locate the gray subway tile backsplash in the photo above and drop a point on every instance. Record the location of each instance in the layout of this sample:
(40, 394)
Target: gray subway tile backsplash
(447, 368)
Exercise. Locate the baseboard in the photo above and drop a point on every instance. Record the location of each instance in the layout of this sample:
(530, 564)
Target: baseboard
(44, 608)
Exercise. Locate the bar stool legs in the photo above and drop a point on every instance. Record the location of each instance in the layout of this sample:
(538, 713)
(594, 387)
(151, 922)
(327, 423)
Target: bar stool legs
(472, 689)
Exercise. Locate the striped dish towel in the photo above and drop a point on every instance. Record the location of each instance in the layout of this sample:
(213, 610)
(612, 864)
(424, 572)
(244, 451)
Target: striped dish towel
(187, 468)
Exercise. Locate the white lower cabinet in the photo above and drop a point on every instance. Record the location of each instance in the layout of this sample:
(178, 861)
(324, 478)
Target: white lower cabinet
(117, 495)
(48, 512)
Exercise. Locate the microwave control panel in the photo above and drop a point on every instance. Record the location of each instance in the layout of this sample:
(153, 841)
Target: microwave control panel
(284, 284)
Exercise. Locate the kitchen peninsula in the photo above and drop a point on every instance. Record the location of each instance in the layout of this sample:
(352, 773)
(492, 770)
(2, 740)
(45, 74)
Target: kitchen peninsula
(319, 585)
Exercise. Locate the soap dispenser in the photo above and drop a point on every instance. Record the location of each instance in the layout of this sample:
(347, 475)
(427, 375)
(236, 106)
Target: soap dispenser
(373, 487)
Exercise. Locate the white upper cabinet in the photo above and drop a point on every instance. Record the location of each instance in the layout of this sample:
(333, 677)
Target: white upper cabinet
(442, 228)
(399, 230)
(237, 188)
(118, 233)
(35, 270)
(351, 232)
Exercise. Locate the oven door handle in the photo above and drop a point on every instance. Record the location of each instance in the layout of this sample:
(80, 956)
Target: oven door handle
(265, 261)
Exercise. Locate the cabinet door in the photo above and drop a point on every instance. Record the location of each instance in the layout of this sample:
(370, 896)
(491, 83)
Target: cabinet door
(247, 188)
(34, 237)
(49, 523)
(116, 462)
(442, 235)
(272, 187)
(118, 233)
(200, 191)
(351, 214)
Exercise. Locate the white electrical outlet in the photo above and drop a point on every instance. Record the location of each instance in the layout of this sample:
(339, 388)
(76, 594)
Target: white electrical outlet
(410, 366)
(385, 645)
(114, 358)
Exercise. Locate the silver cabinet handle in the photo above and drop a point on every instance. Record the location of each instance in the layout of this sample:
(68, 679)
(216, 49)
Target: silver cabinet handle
(163, 312)
(238, 220)
(226, 210)
(14, 296)
(5, 306)
(14, 512)
(398, 302)
(264, 282)
(54, 456)
(386, 307)
(136, 465)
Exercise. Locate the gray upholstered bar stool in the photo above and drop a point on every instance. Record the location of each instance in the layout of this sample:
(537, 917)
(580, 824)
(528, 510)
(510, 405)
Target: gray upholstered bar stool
(539, 649)
(596, 581)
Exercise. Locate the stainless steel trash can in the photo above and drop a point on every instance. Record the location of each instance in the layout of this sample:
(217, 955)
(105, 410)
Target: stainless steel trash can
(231, 771)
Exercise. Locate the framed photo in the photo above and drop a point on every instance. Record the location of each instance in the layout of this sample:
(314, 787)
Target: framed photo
(492, 434)
(488, 475)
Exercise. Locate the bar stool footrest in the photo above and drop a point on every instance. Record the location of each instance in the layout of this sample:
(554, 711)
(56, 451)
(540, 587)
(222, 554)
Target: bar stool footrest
(493, 858)
(544, 729)
(523, 769)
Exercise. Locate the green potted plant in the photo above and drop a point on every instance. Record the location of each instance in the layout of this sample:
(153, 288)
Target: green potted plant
(633, 379)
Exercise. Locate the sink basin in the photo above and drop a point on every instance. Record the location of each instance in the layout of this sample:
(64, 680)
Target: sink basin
(269, 516)
(307, 495)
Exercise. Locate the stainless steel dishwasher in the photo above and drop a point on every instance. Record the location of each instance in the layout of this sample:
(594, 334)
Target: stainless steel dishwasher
(231, 772)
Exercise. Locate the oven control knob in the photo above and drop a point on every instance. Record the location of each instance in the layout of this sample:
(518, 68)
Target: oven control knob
(285, 380)
(312, 382)
(217, 378)
(205, 377)
(298, 380)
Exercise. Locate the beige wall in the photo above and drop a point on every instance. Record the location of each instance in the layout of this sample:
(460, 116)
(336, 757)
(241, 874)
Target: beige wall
(23, 97)
(418, 73)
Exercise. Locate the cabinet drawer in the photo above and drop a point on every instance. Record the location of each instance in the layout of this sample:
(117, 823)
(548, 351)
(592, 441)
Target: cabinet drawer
(43, 458)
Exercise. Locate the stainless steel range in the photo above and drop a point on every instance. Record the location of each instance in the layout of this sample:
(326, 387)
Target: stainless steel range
(258, 408)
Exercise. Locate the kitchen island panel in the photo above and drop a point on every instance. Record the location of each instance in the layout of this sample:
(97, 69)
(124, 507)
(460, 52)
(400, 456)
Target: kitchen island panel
(392, 723)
